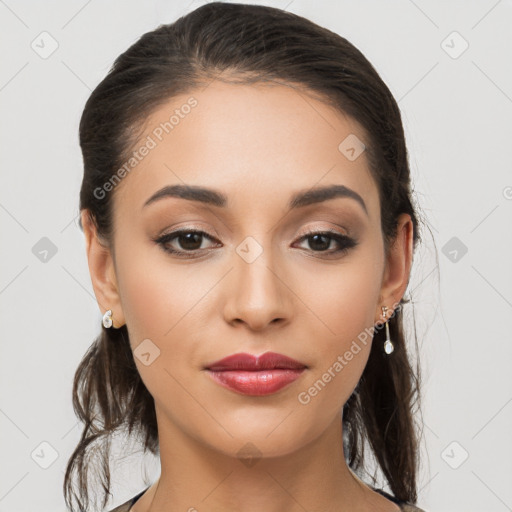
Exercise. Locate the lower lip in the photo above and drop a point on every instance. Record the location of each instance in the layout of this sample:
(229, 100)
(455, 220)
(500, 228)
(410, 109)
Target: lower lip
(255, 383)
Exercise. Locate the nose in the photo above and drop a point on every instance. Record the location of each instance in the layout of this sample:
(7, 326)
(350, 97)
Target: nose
(257, 295)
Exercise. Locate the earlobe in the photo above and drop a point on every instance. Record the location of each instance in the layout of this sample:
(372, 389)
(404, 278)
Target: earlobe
(398, 265)
(102, 271)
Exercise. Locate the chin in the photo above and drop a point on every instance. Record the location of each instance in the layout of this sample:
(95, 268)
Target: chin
(264, 439)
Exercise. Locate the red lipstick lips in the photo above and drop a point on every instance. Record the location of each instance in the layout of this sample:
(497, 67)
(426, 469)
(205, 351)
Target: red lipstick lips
(257, 376)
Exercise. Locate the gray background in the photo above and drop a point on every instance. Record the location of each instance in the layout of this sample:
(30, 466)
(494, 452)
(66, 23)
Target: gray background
(456, 108)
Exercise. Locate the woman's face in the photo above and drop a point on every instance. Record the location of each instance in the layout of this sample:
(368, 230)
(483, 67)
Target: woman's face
(253, 282)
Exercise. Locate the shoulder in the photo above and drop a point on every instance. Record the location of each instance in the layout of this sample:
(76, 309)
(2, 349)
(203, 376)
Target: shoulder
(127, 505)
(404, 506)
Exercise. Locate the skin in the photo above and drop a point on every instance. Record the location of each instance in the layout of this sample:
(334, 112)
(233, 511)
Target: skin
(258, 144)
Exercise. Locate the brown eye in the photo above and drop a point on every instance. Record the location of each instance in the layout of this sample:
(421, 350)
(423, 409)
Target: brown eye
(321, 241)
(188, 241)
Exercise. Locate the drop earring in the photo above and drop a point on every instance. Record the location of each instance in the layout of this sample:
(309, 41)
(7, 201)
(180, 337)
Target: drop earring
(107, 319)
(388, 344)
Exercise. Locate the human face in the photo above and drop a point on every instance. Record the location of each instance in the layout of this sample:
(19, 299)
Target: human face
(257, 145)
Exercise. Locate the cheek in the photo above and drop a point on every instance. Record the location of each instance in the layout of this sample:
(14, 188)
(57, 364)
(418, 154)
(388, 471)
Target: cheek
(342, 302)
(166, 304)
(157, 296)
(160, 302)
(341, 309)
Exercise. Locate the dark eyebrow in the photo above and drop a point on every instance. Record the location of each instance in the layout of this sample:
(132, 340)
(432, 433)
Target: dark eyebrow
(320, 194)
(215, 198)
(190, 192)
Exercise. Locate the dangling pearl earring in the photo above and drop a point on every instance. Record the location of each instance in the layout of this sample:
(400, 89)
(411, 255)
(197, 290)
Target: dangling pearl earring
(107, 319)
(388, 344)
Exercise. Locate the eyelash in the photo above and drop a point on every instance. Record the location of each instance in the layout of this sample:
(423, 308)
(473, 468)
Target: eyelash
(344, 241)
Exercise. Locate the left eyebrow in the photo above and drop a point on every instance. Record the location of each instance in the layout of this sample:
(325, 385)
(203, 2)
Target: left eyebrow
(215, 198)
(320, 194)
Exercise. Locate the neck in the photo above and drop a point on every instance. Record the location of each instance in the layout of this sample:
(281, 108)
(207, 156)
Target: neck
(196, 477)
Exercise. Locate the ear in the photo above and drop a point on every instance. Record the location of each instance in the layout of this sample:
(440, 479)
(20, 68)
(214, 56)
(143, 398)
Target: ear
(102, 271)
(397, 266)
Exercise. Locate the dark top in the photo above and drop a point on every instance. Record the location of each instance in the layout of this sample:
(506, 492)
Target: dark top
(404, 507)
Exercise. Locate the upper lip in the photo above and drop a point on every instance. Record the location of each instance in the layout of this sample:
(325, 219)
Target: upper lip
(266, 361)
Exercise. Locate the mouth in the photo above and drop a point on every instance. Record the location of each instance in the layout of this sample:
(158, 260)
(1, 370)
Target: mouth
(257, 376)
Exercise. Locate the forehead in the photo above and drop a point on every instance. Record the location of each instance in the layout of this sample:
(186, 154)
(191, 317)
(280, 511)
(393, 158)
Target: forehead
(257, 142)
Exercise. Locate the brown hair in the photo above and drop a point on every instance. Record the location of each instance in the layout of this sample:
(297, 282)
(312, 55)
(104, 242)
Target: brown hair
(250, 43)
